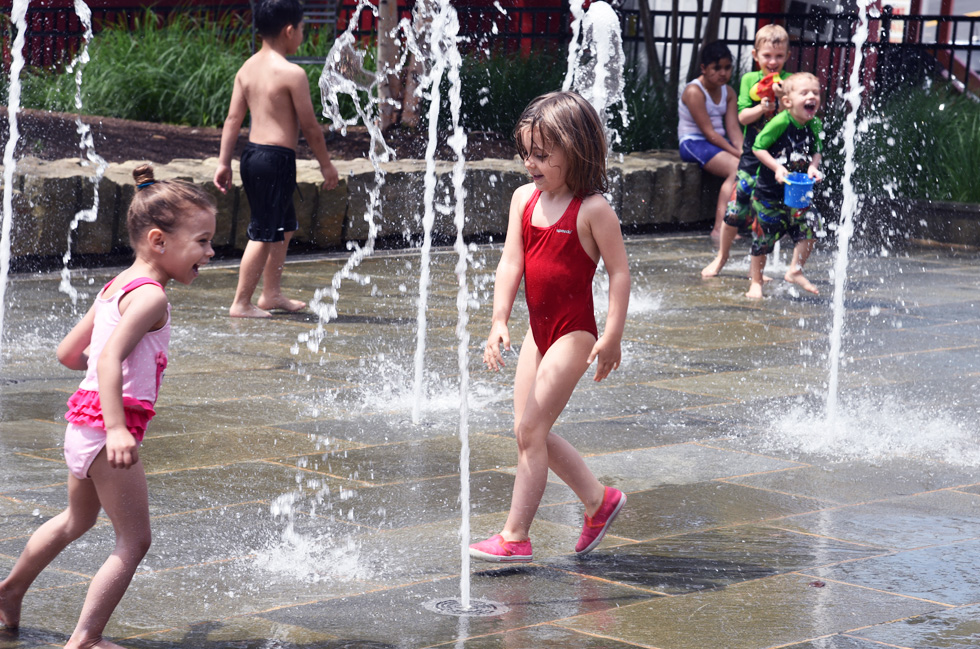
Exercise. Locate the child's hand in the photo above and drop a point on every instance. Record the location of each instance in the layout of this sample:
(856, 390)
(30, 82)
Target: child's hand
(767, 105)
(121, 448)
(609, 355)
(222, 178)
(814, 173)
(331, 177)
(499, 336)
(781, 174)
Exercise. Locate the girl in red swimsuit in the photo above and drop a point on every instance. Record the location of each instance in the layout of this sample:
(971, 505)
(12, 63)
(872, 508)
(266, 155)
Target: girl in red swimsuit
(560, 225)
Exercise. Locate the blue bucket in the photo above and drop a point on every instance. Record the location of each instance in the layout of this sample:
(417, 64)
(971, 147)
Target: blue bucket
(798, 191)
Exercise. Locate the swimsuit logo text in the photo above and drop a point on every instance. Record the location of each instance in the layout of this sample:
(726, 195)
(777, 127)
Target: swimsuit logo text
(564, 231)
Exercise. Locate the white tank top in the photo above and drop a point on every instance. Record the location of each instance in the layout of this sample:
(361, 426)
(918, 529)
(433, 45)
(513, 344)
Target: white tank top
(687, 129)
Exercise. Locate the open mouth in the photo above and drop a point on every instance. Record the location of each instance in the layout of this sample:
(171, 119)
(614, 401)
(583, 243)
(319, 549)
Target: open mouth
(810, 106)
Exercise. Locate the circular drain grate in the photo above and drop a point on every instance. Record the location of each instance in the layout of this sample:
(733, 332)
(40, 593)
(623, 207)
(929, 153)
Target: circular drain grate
(478, 607)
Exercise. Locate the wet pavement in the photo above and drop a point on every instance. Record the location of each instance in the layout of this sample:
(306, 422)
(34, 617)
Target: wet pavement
(296, 504)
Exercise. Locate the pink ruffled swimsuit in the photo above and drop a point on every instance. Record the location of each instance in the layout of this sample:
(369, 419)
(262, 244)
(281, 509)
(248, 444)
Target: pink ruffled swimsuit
(142, 370)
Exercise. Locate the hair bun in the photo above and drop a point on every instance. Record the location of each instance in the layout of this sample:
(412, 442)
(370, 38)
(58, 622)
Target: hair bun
(143, 175)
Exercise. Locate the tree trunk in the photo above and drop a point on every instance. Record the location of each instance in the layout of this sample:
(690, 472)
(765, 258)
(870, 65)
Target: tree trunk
(389, 85)
(693, 69)
(653, 62)
(714, 20)
(675, 52)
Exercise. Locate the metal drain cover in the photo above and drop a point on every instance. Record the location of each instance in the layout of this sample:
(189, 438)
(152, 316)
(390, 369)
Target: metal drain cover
(478, 607)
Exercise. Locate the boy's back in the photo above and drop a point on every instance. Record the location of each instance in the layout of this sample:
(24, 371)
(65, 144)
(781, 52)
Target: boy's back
(267, 82)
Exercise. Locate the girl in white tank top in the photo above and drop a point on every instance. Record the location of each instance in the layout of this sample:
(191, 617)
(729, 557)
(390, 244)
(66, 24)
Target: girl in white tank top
(687, 128)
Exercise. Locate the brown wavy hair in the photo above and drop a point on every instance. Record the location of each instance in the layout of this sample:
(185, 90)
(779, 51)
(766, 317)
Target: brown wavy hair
(567, 121)
(161, 203)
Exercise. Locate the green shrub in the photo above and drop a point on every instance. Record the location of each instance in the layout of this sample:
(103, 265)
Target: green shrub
(916, 143)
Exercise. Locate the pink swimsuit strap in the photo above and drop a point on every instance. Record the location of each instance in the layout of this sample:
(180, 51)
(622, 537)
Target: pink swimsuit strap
(134, 284)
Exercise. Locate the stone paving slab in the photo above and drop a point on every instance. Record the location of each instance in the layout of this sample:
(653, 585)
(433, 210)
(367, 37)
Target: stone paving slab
(296, 504)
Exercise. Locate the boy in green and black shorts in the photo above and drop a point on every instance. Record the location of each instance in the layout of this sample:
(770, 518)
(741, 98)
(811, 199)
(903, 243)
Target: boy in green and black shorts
(770, 53)
(790, 142)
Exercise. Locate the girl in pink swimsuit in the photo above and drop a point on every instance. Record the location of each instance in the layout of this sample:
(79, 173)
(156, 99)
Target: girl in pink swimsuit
(122, 344)
(560, 226)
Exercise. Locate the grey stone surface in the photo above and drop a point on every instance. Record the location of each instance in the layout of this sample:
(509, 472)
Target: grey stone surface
(296, 504)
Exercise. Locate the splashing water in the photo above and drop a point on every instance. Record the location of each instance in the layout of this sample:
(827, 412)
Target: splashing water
(18, 17)
(87, 147)
(849, 209)
(595, 68)
(344, 74)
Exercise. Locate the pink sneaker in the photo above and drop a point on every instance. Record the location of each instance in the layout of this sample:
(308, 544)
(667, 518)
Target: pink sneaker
(497, 549)
(595, 527)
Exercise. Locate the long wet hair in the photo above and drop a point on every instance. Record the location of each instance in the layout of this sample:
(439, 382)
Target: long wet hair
(567, 121)
(161, 203)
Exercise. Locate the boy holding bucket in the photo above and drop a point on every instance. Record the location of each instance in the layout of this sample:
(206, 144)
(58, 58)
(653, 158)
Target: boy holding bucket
(789, 144)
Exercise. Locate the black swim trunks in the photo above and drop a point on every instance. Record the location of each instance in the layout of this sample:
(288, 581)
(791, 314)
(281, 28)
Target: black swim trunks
(269, 177)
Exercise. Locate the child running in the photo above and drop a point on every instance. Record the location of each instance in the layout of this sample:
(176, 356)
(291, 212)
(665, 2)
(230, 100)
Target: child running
(790, 142)
(276, 93)
(122, 344)
(559, 227)
(770, 53)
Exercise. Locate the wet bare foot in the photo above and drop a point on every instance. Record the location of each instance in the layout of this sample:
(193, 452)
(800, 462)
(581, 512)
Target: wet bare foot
(97, 643)
(247, 311)
(766, 279)
(797, 277)
(283, 303)
(714, 268)
(755, 291)
(10, 610)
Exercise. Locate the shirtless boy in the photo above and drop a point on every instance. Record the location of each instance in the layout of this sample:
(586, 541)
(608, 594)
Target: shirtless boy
(277, 94)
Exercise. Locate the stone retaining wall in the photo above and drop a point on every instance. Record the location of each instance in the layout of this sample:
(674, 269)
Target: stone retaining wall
(649, 190)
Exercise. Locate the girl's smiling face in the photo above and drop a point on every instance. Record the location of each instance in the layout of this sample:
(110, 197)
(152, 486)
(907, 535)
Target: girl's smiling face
(188, 247)
(545, 162)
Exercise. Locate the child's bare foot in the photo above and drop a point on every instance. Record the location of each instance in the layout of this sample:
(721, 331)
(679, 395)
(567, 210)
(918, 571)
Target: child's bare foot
(281, 302)
(10, 610)
(755, 291)
(93, 643)
(797, 277)
(247, 311)
(712, 269)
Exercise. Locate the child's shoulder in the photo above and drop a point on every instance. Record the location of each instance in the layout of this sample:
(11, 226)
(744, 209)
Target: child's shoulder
(595, 206)
(267, 66)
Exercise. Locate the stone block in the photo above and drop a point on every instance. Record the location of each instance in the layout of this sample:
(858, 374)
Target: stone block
(331, 212)
(96, 237)
(49, 199)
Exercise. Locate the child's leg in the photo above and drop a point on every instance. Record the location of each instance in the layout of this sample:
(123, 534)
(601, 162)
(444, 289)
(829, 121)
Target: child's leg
(124, 498)
(758, 264)
(46, 543)
(542, 387)
(272, 297)
(253, 261)
(724, 248)
(724, 165)
(801, 252)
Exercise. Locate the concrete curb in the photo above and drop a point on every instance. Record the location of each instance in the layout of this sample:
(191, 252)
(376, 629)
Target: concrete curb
(652, 190)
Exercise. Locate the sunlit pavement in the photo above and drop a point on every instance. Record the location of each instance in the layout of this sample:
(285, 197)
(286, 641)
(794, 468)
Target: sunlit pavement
(296, 504)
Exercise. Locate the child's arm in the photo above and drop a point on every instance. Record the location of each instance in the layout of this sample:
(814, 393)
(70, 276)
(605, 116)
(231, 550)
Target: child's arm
(510, 270)
(749, 111)
(694, 99)
(237, 110)
(766, 158)
(142, 309)
(605, 230)
(732, 127)
(299, 90)
(814, 170)
(73, 349)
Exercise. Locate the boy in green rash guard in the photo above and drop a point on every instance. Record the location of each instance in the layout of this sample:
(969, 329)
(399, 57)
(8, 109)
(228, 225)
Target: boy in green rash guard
(790, 142)
(770, 53)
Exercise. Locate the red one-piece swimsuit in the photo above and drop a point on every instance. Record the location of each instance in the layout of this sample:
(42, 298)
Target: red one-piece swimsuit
(557, 277)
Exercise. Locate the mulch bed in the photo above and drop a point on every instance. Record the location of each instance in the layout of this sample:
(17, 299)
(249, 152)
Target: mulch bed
(52, 136)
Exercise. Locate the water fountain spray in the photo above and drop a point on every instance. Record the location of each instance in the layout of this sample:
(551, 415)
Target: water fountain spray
(344, 74)
(849, 209)
(18, 18)
(87, 147)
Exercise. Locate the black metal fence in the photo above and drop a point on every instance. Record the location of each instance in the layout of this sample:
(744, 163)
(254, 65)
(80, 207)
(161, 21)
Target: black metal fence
(898, 45)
